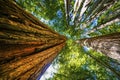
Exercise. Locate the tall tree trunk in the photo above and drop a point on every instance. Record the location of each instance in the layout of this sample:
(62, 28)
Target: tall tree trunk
(93, 7)
(67, 10)
(77, 5)
(98, 7)
(107, 44)
(100, 12)
(83, 9)
(104, 25)
(26, 44)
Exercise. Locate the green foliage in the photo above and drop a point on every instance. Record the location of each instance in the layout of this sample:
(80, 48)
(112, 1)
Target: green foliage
(107, 30)
(44, 8)
(75, 63)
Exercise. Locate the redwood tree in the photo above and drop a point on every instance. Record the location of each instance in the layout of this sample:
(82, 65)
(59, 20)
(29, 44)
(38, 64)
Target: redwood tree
(26, 44)
(107, 44)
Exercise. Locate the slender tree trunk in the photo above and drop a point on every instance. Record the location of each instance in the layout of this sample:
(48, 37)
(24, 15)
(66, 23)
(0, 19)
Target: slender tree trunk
(104, 25)
(93, 7)
(26, 44)
(103, 10)
(83, 9)
(67, 10)
(107, 44)
(115, 17)
(98, 7)
(77, 5)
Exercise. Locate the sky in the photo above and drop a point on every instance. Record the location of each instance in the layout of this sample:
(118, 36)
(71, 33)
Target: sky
(49, 72)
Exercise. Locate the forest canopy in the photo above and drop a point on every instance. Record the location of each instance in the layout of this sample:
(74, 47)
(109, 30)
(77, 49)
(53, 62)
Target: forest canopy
(79, 19)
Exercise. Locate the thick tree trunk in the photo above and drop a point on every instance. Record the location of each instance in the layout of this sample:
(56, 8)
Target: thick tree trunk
(107, 44)
(26, 44)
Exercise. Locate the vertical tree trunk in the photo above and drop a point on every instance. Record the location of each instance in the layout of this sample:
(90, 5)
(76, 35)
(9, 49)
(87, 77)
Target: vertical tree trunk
(67, 10)
(26, 44)
(107, 44)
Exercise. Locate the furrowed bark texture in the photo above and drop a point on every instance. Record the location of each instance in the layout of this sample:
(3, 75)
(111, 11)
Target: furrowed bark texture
(107, 44)
(26, 44)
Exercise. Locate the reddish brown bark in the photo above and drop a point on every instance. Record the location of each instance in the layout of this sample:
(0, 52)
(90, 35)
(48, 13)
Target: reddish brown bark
(26, 44)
